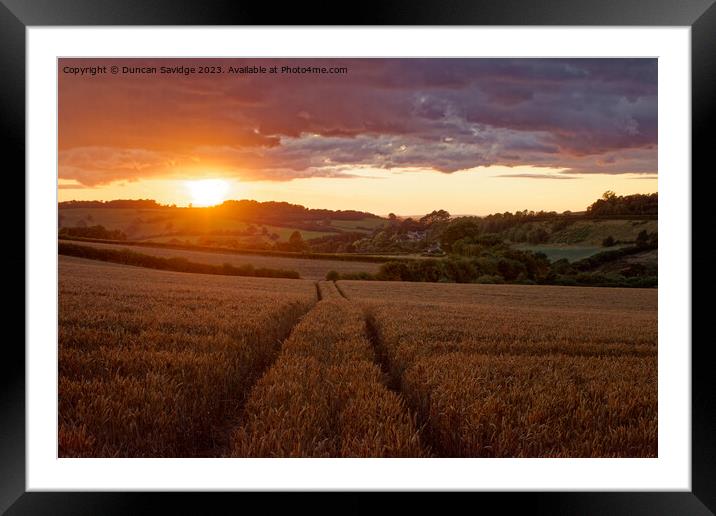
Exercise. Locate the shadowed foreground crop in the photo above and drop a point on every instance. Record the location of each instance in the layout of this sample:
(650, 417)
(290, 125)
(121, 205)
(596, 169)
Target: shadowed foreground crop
(154, 364)
(167, 364)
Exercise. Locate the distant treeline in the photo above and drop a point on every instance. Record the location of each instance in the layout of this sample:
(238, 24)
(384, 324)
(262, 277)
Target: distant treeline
(272, 210)
(129, 257)
(612, 204)
(245, 210)
(117, 203)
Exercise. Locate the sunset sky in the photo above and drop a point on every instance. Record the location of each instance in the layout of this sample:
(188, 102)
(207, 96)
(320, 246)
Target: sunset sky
(389, 135)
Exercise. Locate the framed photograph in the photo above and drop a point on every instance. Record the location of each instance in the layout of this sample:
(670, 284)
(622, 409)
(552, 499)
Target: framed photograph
(445, 250)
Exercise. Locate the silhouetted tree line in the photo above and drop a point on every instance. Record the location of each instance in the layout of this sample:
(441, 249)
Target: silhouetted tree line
(284, 211)
(281, 213)
(612, 204)
(117, 203)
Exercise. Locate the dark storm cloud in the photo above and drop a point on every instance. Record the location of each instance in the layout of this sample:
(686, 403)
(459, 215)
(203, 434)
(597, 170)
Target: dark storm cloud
(581, 115)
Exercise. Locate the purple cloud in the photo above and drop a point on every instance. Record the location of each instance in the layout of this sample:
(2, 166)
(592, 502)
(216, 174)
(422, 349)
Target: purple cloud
(581, 116)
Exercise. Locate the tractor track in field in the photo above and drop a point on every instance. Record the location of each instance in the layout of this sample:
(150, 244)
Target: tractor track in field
(222, 434)
(318, 291)
(340, 291)
(331, 292)
(391, 381)
(394, 383)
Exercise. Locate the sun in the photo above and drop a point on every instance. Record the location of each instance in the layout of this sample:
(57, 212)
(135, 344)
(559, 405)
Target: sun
(207, 192)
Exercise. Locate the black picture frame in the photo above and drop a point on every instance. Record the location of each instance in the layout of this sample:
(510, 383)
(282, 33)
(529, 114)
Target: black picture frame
(17, 15)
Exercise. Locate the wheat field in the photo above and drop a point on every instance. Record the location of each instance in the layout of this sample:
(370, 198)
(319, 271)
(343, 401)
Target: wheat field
(536, 406)
(169, 364)
(518, 371)
(155, 363)
(325, 396)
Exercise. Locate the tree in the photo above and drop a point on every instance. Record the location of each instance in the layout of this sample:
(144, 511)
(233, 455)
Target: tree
(394, 271)
(537, 236)
(616, 205)
(457, 230)
(382, 239)
(609, 195)
(295, 238)
(295, 241)
(510, 269)
(435, 217)
(642, 238)
(411, 225)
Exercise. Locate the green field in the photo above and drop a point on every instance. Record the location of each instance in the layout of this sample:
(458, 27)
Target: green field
(593, 232)
(571, 252)
(583, 238)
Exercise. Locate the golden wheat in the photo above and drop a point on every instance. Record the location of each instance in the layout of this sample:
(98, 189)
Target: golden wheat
(521, 370)
(537, 406)
(325, 396)
(509, 296)
(160, 364)
(153, 363)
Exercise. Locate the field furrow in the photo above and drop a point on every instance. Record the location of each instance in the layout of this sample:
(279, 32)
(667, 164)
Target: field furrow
(563, 376)
(325, 396)
(154, 364)
(329, 291)
(167, 364)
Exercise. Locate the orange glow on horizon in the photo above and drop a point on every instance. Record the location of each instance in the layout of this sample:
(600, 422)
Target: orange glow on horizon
(401, 135)
(478, 192)
(207, 192)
